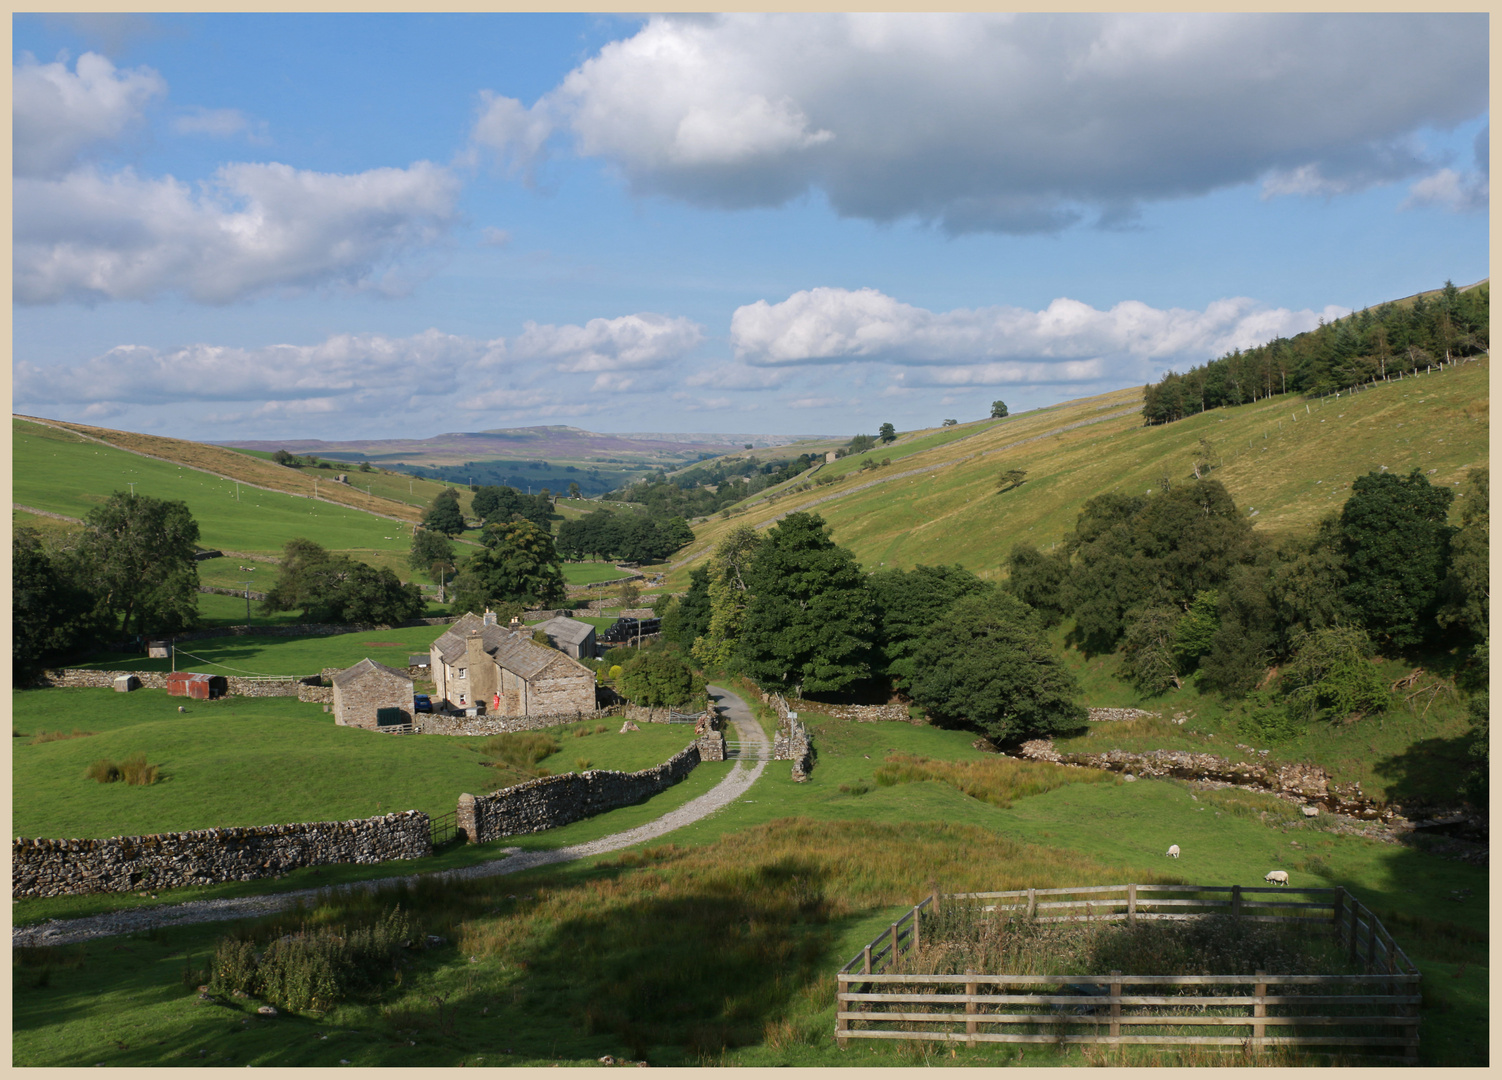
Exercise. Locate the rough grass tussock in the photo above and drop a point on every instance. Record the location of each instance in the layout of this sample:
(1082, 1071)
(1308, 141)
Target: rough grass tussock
(997, 781)
(133, 770)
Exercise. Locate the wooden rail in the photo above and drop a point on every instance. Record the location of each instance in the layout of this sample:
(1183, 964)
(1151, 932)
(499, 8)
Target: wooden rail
(1376, 1011)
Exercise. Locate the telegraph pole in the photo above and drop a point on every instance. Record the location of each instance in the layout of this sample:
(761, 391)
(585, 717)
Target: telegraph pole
(247, 585)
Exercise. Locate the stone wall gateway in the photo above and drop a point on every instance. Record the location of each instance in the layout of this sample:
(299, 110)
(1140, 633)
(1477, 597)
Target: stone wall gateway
(551, 801)
(207, 856)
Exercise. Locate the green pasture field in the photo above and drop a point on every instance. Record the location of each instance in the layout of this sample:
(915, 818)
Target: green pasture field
(383, 483)
(1284, 472)
(47, 526)
(577, 961)
(257, 655)
(588, 573)
(54, 470)
(259, 761)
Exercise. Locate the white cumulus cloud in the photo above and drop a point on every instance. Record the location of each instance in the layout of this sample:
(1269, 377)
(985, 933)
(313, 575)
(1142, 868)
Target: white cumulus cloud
(376, 374)
(1068, 341)
(1007, 122)
(92, 235)
(219, 124)
(57, 115)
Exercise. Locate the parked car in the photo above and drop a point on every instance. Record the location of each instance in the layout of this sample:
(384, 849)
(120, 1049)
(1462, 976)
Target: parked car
(422, 703)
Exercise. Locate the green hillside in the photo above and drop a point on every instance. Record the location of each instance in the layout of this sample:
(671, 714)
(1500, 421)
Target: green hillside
(63, 473)
(1285, 460)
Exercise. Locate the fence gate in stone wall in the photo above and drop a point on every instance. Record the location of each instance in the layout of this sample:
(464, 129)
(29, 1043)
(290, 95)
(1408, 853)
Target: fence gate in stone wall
(1371, 1014)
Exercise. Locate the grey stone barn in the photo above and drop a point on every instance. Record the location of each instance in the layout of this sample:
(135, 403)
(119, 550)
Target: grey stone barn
(477, 662)
(570, 636)
(369, 693)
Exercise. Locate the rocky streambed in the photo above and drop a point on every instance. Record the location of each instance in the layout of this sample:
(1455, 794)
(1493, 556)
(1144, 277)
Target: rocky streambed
(1457, 833)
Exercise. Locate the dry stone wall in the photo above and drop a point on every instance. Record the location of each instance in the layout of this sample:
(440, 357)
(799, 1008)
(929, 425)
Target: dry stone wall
(441, 724)
(207, 856)
(791, 744)
(1099, 716)
(157, 680)
(551, 801)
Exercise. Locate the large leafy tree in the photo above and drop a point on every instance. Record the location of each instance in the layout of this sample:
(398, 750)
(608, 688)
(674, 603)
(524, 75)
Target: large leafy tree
(51, 612)
(444, 515)
(658, 677)
(1466, 592)
(687, 618)
(1397, 549)
(807, 624)
(987, 664)
(136, 558)
(1132, 553)
(332, 588)
(727, 589)
(429, 547)
(518, 564)
(907, 603)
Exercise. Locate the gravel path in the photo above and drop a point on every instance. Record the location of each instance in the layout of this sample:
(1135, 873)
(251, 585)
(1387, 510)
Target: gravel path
(757, 751)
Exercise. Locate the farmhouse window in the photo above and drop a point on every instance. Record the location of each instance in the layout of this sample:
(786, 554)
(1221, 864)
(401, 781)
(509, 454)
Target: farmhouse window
(461, 673)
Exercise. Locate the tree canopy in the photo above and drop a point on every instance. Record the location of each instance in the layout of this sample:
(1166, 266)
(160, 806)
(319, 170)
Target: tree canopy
(518, 563)
(987, 663)
(1396, 545)
(908, 602)
(332, 588)
(444, 515)
(807, 625)
(658, 677)
(136, 559)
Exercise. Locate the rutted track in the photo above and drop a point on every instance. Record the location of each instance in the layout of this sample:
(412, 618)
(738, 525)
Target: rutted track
(727, 791)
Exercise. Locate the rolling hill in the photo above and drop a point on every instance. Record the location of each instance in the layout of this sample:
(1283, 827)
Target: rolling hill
(1285, 460)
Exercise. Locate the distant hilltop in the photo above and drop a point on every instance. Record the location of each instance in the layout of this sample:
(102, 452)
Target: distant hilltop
(547, 442)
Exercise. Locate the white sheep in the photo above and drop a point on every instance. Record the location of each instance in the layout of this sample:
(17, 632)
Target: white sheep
(1276, 877)
(1173, 851)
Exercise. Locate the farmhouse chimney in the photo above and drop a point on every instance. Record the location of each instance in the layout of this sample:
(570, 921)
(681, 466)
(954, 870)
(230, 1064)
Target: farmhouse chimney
(483, 674)
(489, 618)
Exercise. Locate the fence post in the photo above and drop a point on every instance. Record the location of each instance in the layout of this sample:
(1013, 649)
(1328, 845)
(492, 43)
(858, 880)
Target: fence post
(936, 896)
(1355, 924)
(1411, 1051)
(866, 956)
(1115, 1004)
(1236, 902)
(841, 1024)
(971, 989)
(1032, 902)
(1259, 1010)
(1131, 905)
(917, 914)
(1340, 897)
(892, 960)
(1371, 942)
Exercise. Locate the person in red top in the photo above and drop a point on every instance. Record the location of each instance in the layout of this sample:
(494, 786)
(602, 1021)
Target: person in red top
(497, 706)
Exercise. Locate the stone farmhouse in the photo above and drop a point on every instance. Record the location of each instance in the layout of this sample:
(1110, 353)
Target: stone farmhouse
(476, 662)
(570, 636)
(371, 695)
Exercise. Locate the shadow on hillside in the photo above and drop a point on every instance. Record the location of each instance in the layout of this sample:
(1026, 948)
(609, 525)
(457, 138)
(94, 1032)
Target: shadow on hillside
(1428, 771)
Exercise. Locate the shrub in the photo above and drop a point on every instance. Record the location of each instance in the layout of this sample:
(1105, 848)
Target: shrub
(1331, 672)
(315, 968)
(582, 763)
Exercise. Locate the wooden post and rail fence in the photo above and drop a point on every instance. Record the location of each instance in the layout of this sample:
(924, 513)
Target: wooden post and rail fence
(1371, 1013)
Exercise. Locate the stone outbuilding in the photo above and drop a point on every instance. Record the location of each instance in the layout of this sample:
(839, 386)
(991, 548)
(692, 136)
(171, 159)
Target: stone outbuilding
(501, 670)
(374, 696)
(570, 636)
(124, 684)
(191, 684)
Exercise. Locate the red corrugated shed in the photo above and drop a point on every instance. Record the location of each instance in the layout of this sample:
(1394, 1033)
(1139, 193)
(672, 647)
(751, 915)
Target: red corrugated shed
(192, 685)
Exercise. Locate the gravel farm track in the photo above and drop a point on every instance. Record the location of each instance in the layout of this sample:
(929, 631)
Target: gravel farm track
(755, 753)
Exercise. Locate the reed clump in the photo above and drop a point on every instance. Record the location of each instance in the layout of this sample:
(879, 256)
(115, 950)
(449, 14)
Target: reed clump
(133, 770)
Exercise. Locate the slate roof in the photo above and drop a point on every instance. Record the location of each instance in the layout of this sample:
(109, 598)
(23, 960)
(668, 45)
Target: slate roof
(513, 650)
(562, 628)
(364, 668)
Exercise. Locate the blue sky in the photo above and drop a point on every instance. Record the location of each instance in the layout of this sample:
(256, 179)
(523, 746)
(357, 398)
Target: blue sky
(341, 226)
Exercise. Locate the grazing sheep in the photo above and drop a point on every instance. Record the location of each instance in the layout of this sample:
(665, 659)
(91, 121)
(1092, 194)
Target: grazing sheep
(1173, 851)
(181, 708)
(1277, 877)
